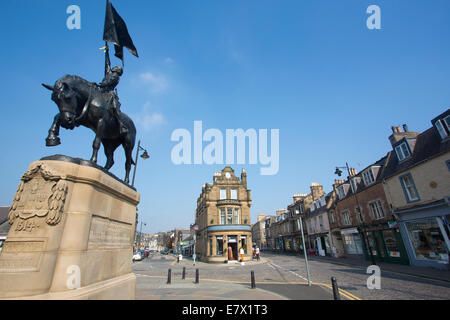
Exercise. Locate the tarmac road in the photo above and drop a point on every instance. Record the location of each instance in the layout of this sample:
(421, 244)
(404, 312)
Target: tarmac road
(285, 276)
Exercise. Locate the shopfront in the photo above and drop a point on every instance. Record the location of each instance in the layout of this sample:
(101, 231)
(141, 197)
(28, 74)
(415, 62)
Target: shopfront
(224, 242)
(425, 232)
(352, 241)
(386, 243)
(322, 243)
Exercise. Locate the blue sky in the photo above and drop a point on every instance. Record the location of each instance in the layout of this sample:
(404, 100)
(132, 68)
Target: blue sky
(311, 69)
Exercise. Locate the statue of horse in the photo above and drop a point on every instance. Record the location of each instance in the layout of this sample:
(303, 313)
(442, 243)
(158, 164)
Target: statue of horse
(81, 103)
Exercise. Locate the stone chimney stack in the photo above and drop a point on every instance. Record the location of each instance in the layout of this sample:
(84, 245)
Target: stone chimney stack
(244, 178)
(398, 134)
(353, 172)
(261, 216)
(298, 196)
(316, 190)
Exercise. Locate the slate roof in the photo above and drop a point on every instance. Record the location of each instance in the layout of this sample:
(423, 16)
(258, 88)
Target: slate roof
(4, 224)
(4, 211)
(428, 145)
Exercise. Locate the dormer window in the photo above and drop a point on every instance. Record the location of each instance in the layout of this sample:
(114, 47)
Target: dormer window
(341, 192)
(402, 151)
(353, 184)
(443, 127)
(368, 177)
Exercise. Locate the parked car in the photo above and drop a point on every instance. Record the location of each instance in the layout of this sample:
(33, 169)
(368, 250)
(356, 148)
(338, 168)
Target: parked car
(137, 256)
(165, 251)
(144, 253)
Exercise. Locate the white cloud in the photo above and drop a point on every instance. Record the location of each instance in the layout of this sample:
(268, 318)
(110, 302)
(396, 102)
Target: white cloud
(156, 83)
(169, 60)
(148, 120)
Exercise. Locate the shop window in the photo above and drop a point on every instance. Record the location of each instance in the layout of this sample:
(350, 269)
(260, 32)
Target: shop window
(210, 246)
(244, 243)
(219, 246)
(391, 243)
(427, 240)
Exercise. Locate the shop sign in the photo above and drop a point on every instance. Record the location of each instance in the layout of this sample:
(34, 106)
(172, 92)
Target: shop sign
(393, 224)
(347, 231)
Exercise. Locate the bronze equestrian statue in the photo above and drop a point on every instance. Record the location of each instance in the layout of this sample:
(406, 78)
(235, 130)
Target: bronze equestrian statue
(97, 106)
(82, 103)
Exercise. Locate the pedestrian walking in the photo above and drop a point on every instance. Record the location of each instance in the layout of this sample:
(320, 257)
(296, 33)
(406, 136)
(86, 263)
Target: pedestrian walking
(241, 252)
(257, 253)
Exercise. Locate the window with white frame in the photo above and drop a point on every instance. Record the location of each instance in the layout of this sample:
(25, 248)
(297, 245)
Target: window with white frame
(341, 192)
(222, 215)
(443, 127)
(233, 194)
(402, 151)
(368, 177)
(223, 194)
(236, 216)
(409, 188)
(229, 215)
(346, 220)
(332, 217)
(376, 210)
(359, 215)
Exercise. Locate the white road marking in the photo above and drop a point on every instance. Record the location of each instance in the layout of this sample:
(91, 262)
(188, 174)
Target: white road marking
(296, 274)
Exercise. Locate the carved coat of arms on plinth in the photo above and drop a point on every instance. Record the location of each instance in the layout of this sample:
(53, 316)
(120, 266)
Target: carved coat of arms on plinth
(41, 193)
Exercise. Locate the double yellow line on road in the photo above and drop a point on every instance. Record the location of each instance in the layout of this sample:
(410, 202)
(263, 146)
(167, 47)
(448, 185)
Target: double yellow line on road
(346, 294)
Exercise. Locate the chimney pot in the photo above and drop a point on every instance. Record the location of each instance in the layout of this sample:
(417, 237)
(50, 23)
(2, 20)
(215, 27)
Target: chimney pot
(405, 128)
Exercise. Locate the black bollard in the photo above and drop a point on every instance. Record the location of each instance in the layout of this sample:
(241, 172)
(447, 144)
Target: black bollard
(196, 276)
(169, 276)
(184, 273)
(336, 294)
(253, 280)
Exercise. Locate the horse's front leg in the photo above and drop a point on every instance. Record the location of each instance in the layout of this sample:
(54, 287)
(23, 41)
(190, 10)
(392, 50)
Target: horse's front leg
(53, 139)
(97, 140)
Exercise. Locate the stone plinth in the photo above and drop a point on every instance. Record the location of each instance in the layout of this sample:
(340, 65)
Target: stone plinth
(72, 229)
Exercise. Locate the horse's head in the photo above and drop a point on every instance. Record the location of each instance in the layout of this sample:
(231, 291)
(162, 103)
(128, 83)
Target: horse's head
(66, 98)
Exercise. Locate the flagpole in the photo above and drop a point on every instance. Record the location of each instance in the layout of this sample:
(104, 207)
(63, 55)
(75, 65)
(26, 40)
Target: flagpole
(107, 60)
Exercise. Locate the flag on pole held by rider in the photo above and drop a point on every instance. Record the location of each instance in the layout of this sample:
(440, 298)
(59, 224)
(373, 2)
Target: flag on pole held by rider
(116, 32)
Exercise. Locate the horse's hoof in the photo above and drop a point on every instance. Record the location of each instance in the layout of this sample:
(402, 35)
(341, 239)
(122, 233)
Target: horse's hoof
(52, 142)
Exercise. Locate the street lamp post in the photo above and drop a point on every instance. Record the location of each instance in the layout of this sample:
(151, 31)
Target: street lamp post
(140, 234)
(143, 156)
(304, 248)
(194, 255)
(365, 238)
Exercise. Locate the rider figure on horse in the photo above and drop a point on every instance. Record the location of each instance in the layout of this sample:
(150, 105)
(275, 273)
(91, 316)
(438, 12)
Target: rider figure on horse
(108, 85)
